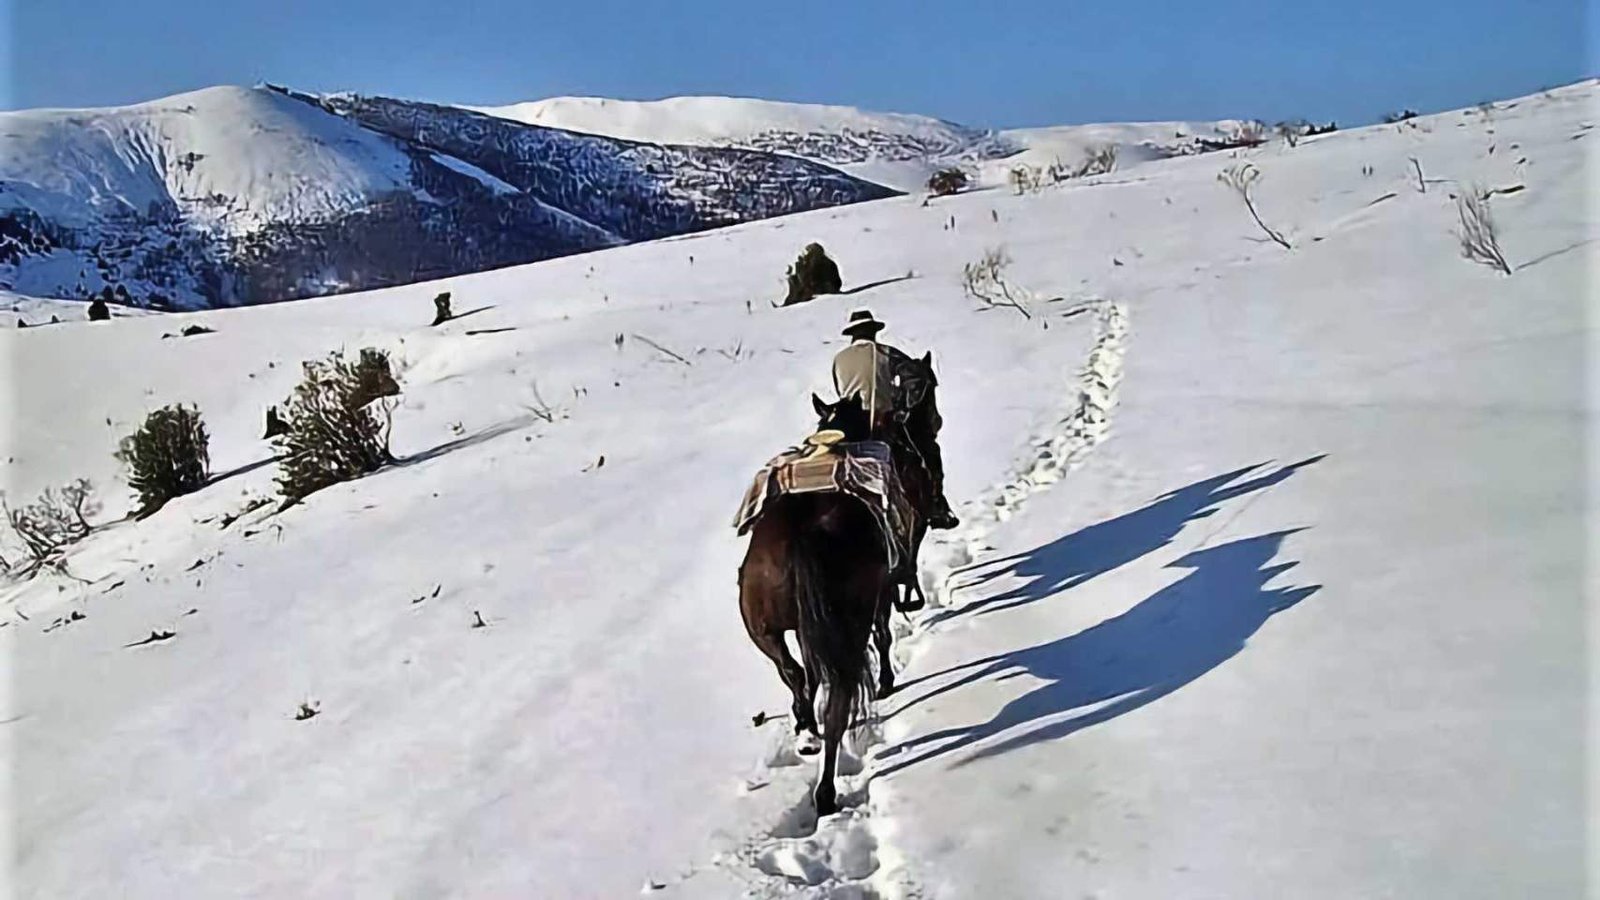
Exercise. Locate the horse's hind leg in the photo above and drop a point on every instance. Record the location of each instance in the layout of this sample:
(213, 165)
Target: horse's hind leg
(794, 678)
(835, 720)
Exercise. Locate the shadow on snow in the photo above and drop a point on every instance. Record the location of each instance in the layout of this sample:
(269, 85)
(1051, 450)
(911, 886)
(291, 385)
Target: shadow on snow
(1168, 640)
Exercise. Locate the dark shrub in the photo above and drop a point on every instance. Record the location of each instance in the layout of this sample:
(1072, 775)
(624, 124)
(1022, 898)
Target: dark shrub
(167, 457)
(812, 274)
(335, 430)
(946, 181)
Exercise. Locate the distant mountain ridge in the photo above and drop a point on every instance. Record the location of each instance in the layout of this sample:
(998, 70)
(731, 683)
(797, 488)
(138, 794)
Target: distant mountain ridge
(231, 196)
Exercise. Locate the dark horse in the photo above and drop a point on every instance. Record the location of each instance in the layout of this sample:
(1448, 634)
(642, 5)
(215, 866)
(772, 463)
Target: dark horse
(921, 427)
(816, 565)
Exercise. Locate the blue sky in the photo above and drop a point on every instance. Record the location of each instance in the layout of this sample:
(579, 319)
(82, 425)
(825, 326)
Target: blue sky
(998, 63)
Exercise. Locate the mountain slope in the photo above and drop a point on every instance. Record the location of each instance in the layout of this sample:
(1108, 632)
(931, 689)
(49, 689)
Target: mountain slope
(894, 149)
(889, 148)
(234, 196)
(1279, 592)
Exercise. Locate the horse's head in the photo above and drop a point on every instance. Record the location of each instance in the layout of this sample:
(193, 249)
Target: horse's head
(848, 416)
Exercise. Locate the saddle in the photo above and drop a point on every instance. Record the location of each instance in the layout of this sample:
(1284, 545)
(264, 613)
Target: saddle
(825, 462)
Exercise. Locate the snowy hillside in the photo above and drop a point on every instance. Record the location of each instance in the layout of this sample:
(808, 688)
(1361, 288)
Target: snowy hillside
(232, 196)
(893, 149)
(1269, 584)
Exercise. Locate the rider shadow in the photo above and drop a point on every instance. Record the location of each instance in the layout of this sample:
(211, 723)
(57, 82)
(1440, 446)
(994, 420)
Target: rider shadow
(1075, 558)
(1168, 640)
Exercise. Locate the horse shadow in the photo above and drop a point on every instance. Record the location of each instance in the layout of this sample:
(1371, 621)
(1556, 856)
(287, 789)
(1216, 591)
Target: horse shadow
(1074, 559)
(1167, 641)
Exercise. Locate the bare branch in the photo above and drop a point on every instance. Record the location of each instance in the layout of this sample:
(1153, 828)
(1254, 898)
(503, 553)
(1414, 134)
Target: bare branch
(985, 281)
(1241, 178)
(657, 347)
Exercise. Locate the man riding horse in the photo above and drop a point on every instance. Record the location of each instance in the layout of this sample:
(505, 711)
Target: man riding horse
(897, 392)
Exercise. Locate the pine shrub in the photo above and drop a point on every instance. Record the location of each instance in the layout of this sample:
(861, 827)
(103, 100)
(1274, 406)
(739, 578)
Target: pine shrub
(167, 457)
(337, 423)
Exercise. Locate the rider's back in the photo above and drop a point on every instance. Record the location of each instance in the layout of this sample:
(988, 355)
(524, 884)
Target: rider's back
(866, 369)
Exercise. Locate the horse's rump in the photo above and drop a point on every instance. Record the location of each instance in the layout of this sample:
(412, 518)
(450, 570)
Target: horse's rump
(863, 469)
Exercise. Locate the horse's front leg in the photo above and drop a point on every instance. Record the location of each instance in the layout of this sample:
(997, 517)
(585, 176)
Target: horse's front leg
(884, 639)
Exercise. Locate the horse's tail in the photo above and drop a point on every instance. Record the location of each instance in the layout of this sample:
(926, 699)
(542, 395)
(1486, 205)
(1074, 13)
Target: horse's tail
(833, 646)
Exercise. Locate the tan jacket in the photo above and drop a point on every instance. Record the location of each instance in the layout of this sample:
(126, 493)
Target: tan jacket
(871, 371)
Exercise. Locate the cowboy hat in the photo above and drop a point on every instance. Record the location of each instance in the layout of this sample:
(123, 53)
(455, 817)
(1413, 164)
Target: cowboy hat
(862, 321)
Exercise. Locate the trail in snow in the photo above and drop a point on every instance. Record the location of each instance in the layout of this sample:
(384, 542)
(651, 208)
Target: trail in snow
(851, 855)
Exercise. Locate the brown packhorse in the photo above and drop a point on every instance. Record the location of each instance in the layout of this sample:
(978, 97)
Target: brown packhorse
(817, 565)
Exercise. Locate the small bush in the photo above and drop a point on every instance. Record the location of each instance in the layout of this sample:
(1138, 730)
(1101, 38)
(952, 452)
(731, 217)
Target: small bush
(52, 523)
(1292, 131)
(947, 181)
(167, 457)
(1250, 133)
(986, 282)
(1392, 118)
(812, 274)
(98, 312)
(338, 423)
(1027, 179)
(1098, 161)
(1480, 239)
(1242, 177)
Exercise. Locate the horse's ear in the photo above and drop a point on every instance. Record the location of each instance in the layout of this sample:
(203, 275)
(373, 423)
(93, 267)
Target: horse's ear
(817, 404)
(927, 359)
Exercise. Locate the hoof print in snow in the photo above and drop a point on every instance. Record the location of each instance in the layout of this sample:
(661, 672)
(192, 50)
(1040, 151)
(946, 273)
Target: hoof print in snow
(306, 711)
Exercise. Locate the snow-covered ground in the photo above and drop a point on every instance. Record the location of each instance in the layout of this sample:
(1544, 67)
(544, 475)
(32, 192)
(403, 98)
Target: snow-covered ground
(45, 311)
(1286, 600)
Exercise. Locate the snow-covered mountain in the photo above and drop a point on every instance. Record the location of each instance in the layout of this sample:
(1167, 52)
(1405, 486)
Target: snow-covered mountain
(231, 196)
(893, 149)
(1271, 578)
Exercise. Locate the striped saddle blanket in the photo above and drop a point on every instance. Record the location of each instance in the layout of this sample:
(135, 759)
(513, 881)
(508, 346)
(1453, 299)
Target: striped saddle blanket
(862, 469)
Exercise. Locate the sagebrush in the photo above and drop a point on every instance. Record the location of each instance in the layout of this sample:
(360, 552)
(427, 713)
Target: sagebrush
(947, 181)
(337, 423)
(58, 519)
(986, 282)
(168, 456)
(1480, 239)
(1242, 178)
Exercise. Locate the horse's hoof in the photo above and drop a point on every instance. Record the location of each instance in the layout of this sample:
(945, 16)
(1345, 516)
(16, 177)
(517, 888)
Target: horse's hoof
(807, 745)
